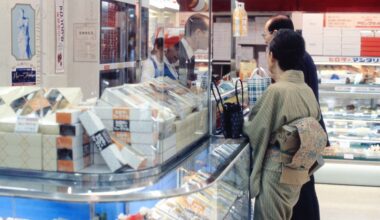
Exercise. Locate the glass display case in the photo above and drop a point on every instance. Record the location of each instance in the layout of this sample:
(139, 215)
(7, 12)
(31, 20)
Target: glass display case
(118, 129)
(350, 103)
(210, 183)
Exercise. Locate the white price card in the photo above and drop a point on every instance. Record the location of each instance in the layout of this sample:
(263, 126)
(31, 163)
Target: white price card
(27, 124)
(348, 156)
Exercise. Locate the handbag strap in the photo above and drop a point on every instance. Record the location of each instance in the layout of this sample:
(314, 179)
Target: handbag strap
(216, 99)
(256, 72)
(242, 92)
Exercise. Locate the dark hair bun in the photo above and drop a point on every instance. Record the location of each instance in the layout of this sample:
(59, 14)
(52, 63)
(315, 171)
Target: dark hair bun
(288, 48)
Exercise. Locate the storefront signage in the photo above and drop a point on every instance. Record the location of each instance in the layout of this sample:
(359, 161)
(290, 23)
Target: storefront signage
(364, 60)
(23, 77)
(352, 20)
(60, 36)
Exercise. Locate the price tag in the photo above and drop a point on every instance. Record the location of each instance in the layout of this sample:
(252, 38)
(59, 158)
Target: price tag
(348, 156)
(27, 124)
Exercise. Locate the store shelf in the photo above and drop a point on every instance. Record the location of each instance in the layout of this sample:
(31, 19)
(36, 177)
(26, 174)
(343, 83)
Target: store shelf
(355, 140)
(350, 94)
(109, 66)
(350, 118)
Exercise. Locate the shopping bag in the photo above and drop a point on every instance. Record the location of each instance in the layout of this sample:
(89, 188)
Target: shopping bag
(231, 114)
(257, 85)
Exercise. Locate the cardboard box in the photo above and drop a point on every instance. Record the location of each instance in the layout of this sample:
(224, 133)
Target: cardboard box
(102, 141)
(157, 149)
(48, 128)
(125, 113)
(49, 153)
(133, 158)
(132, 126)
(69, 142)
(137, 138)
(98, 159)
(21, 150)
(8, 124)
(115, 155)
(91, 122)
(112, 157)
(72, 95)
(65, 151)
(71, 129)
(169, 154)
(312, 22)
(68, 116)
(74, 165)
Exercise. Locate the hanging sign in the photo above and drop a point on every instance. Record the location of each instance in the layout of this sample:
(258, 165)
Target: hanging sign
(60, 36)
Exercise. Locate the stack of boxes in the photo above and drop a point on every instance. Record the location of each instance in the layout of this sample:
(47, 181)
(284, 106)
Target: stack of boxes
(73, 146)
(133, 125)
(312, 31)
(115, 154)
(332, 41)
(370, 46)
(21, 150)
(137, 129)
(350, 42)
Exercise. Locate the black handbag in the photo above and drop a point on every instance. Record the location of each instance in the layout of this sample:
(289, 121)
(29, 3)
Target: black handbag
(232, 117)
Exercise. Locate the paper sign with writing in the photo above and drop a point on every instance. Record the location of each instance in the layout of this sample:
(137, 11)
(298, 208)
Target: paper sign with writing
(27, 124)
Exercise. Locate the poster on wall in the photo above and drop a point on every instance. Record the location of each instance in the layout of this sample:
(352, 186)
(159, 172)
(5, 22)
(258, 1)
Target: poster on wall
(85, 42)
(23, 31)
(60, 36)
(24, 77)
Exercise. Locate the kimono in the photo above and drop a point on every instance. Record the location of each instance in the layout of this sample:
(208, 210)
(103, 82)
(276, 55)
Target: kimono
(285, 101)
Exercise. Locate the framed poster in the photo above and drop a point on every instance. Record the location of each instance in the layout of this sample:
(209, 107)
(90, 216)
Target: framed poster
(86, 42)
(23, 32)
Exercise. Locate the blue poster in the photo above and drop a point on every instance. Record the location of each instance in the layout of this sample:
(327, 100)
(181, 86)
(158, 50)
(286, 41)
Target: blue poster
(23, 77)
(23, 32)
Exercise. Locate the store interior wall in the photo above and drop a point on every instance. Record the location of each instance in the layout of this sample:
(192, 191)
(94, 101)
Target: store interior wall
(82, 74)
(46, 30)
(49, 77)
(5, 48)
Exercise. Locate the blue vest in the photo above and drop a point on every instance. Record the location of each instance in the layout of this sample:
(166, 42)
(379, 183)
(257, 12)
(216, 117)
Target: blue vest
(166, 72)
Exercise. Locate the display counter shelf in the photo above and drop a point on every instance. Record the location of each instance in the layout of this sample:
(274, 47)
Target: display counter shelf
(349, 94)
(217, 170)
(350, 118)
(351, 157)
(355, 139)
(349, 172)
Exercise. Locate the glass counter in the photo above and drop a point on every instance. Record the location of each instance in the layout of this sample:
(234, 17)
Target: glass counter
(350, 100)
(208, 183)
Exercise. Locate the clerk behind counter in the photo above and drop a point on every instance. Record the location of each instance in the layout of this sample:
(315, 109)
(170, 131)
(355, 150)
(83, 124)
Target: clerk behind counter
(162, 63)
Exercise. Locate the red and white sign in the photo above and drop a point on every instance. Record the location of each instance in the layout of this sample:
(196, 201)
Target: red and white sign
(353, 20)
(60, 36)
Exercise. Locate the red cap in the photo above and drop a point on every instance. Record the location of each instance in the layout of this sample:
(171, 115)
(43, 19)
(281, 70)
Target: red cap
(171, 41)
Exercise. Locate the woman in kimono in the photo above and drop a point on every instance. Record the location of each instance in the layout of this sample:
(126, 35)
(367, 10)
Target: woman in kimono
(288, 99)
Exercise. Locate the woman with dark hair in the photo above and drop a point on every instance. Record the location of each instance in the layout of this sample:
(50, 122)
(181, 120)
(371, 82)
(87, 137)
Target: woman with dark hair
(289, 99)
